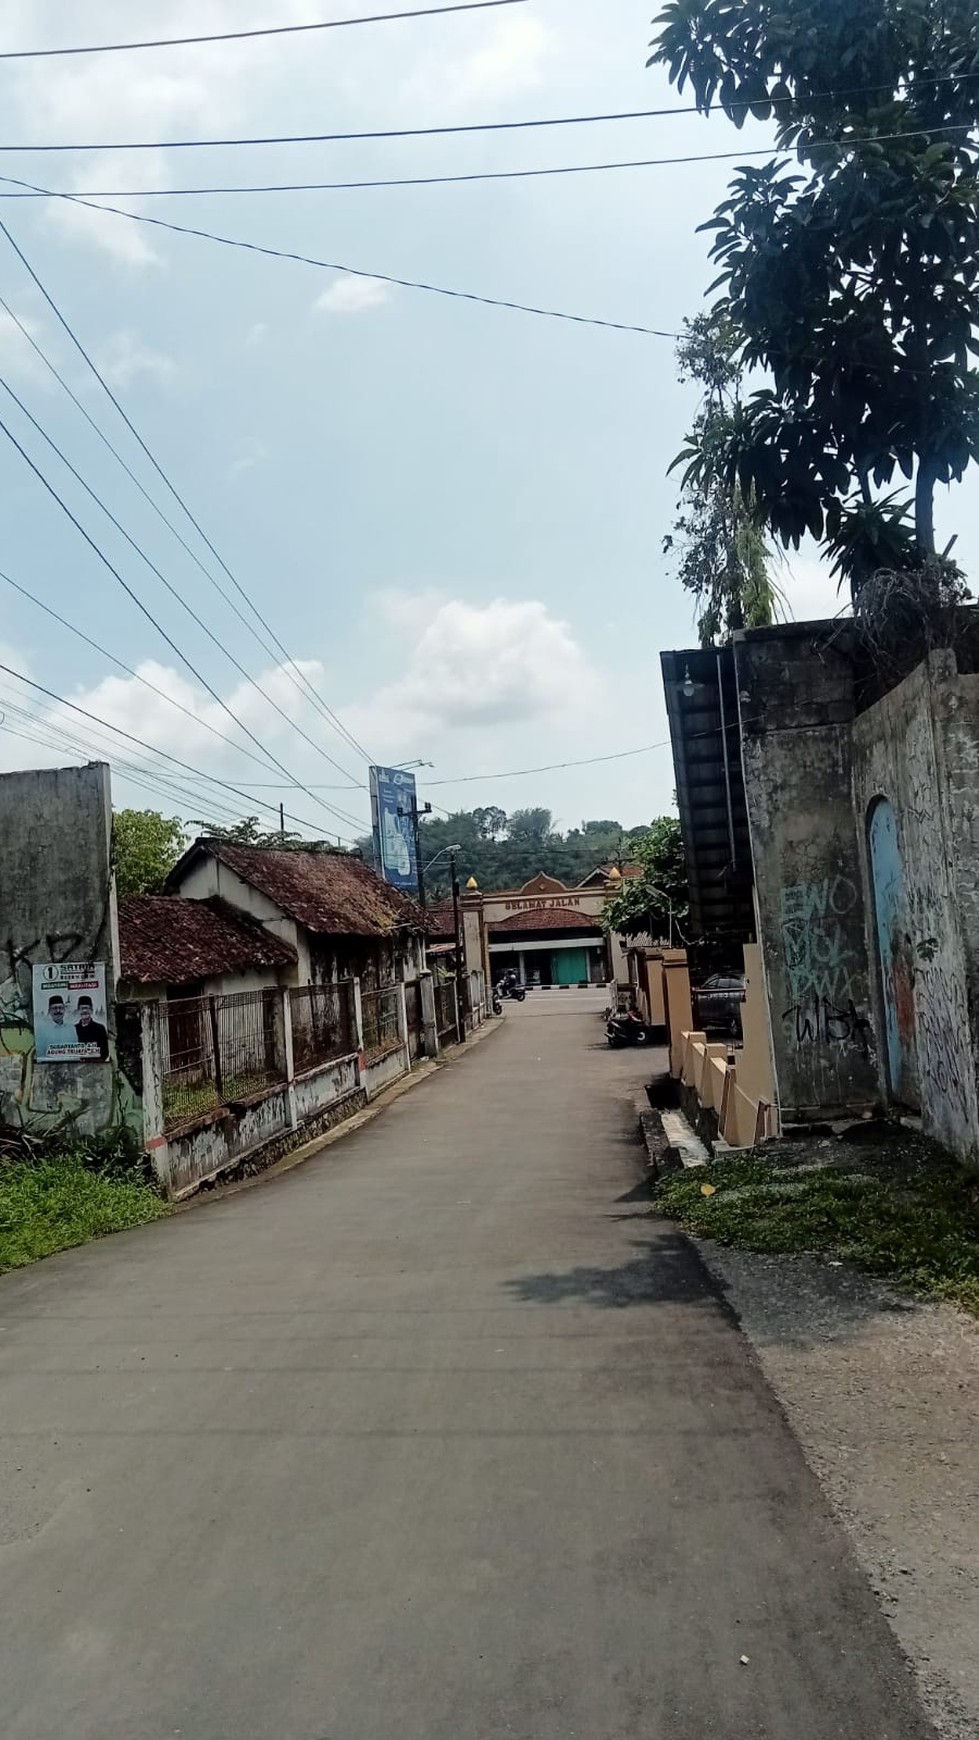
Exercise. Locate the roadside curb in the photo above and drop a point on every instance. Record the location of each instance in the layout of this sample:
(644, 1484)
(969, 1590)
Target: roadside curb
(422, 1071)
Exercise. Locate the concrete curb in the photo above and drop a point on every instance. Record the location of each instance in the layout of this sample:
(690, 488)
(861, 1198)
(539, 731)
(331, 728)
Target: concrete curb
(423, 1071)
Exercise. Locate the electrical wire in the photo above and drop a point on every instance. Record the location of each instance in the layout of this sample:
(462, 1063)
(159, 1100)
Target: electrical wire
(191, 612)
(213, 779)
(271, 759)
(152, 503)
(239, 748)
(348, 271)
(469, 175)
(250, 35)
(586, 120)
(297, 676)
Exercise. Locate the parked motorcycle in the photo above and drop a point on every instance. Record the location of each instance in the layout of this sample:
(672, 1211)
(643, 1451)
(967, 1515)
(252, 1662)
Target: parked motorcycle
(510, 986)
(627, 1029)
(497, 1002)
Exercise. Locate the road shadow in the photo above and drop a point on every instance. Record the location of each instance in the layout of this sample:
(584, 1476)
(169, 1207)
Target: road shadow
(668, 1271)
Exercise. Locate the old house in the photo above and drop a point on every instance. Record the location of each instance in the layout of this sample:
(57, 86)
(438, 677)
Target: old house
(337, 916)
(178, 949)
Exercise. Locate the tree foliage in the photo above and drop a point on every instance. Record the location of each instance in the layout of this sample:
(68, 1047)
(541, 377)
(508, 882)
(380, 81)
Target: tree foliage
(851, 276)
(647, 902)
(724, 559)
(531, 844)
(250, 831)
(145, 848)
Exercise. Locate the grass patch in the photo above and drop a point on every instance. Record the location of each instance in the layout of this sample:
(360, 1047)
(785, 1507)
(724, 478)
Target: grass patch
(911, 1218)
(57, 1200)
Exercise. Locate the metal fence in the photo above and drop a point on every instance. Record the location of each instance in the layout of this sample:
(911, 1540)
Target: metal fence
(219, 1050)
(324, 1025)
(445, 1012)
(381, 1021)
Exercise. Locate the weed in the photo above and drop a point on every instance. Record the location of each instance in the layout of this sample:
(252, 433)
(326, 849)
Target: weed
(909, 1219)
(59, 1200)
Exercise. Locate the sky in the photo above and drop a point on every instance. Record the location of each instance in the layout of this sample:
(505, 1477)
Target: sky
(449, 515)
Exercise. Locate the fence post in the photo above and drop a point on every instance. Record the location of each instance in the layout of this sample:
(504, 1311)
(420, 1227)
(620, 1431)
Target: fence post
(430, 1026)
(359, 1025)
(460, 1012)
(152, 1017)
(212, 1015)
(403, 1023)
(289, 1058)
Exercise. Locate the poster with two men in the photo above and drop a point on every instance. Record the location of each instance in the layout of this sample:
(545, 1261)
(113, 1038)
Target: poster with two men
(70, 1014)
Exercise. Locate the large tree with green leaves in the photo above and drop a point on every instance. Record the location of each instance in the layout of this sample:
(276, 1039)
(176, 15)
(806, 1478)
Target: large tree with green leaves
(145, 848)
(718, 535)
(850, 268)
(656, 902)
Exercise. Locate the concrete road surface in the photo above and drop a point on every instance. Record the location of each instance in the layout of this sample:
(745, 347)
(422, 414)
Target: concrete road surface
(439, 1437)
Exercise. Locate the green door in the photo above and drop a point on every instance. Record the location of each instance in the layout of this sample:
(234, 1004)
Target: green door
(569, 966)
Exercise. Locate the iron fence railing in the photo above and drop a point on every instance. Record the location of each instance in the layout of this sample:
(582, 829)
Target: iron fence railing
(446, 1012)
(381, 1022)
(218, 1050)
(324, 1024)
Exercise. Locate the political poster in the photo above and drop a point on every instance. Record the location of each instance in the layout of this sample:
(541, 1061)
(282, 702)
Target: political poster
(394, 790)
(70, 1014)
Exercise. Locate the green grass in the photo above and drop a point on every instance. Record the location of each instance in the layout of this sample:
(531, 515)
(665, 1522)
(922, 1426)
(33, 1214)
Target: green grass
(56, 1201)
(910, 1217)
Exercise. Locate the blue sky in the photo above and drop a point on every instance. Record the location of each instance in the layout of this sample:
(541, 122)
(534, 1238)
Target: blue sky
(452, 515)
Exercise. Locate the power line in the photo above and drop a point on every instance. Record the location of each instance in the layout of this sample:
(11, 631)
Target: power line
(191, 612)
(249, 35)
(297, 676)
(152, 503)
(349, 271)
(469, 175)
(62, 701)
(585, 120)
(239, 748)
(272, 759)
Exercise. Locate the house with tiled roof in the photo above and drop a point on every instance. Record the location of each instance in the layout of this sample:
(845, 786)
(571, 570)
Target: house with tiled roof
(196, 948)
(548, 933)
(335, 914)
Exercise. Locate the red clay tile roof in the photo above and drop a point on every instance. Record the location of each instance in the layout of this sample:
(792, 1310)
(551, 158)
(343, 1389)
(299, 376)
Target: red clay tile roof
(329, 893)
(441, 920)
(547, 918)
(166, 940)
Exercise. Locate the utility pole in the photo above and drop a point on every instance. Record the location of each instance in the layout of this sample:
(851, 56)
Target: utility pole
(282, 821)
(414, 813)
(460, 964)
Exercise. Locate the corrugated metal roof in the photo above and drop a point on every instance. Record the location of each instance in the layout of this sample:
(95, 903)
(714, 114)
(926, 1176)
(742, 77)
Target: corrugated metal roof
(169, 941)
(705, 730)
(329, 893)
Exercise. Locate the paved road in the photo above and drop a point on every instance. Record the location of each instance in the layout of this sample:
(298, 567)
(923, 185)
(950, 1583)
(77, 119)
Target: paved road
(439, 1437)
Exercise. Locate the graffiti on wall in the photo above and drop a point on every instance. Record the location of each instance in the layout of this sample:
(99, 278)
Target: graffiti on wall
(943, 1028)
(822, 964)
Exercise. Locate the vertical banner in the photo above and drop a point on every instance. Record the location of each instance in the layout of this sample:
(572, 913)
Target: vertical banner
(394, 839)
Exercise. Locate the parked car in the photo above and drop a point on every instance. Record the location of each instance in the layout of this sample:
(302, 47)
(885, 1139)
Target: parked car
(717, 1005)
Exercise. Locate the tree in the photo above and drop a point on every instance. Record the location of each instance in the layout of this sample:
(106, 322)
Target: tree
(530, 827)
(657, 901)
(145, 848)
(250, 832)
(724, 559)
(490, 822)
(853, 278)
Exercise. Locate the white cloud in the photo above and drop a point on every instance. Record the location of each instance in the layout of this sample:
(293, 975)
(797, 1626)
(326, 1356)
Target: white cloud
(257, 333)
(510, 59)
(476, 666)
(353, 296)
(123, 357)
(16, 354)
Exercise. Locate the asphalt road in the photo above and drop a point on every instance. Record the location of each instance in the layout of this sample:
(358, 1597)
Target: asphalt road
(439, 1437)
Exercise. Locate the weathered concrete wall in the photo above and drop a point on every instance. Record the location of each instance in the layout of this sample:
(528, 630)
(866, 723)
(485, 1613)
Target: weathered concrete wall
(57, 905)
(797, 706)
(918, 748)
